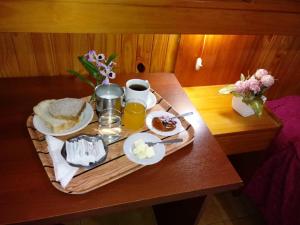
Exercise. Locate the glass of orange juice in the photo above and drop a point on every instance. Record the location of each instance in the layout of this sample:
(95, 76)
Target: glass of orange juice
(134, 114)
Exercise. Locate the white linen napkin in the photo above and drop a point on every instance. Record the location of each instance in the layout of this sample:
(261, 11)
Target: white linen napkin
(62, 170)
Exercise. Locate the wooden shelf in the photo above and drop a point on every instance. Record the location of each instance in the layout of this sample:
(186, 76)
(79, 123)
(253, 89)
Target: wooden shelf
(235, 134)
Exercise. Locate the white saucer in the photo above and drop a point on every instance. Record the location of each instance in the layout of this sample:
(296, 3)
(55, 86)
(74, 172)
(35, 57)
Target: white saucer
(159, 149)
(87, 116)
(151, 101)
(150, 117)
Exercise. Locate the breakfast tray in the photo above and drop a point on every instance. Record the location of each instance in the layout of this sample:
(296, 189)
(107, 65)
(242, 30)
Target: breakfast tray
(116, 165)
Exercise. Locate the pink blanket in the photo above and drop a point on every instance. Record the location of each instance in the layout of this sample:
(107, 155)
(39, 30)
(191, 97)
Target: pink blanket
(275, 188)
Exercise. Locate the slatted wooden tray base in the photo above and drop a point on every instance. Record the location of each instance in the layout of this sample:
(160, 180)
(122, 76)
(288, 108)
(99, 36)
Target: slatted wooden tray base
(116, 165)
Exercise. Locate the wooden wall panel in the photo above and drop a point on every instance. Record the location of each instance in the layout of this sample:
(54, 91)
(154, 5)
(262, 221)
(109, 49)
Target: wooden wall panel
(128, 55)
(171, 54)
(144, 51)
(160, 47)
(44, 54)
(155, 16)
(24, 52)
(78, 46)
(62, 50)
(225, 57)
(8, 59)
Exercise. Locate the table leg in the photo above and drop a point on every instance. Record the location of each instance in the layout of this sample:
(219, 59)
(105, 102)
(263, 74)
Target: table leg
(187, 212)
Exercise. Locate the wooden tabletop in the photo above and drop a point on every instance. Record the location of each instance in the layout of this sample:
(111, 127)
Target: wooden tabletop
(235, 133)
(220, 118)
(27, 196)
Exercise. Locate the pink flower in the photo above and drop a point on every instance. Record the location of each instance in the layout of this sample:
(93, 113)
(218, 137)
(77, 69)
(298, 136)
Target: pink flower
(260, 73)
(267, 80)
(254, 85)
(241, 86)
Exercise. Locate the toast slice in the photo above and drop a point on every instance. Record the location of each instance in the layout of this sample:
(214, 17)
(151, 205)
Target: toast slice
(56, 125)
(67, 108)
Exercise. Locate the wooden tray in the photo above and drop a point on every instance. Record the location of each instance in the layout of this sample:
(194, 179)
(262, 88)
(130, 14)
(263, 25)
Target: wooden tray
(116, 165)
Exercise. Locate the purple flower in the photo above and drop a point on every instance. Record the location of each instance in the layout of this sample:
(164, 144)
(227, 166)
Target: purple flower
(267, 80)
(91, 56)
(102, 72)
(260, 73)
(101, 65)
(105, 81)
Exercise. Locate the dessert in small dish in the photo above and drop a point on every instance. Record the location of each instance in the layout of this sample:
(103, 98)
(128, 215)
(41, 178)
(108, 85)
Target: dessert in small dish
(136, 149)
(85, 151)
(163, 123)
(62, 116)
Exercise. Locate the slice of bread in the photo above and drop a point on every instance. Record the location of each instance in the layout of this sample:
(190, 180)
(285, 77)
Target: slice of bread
(67, 108)
(56, 125)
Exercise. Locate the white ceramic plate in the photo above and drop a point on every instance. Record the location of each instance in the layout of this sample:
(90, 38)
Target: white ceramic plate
(159, 149)
(150, 117)
(87, 116)
(151, 101)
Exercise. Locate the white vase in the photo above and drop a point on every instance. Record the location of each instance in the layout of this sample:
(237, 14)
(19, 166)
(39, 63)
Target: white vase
(242, 108)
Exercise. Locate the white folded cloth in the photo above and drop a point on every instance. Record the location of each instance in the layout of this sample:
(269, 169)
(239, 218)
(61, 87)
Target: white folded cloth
(62, 170)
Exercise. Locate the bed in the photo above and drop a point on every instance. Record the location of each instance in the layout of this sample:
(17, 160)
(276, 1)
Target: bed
(275, 187)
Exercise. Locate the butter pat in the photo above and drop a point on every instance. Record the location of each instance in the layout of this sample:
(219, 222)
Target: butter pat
(142, 150)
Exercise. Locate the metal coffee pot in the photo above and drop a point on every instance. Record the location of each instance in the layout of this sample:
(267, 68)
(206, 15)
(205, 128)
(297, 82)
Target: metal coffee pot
(109, 96)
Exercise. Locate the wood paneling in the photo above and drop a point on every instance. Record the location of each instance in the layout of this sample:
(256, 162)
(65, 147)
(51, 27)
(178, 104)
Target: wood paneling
(171, 55)
(44, 54)
(128, 54)
(141, 16)
(160, 47)
(225, 57)
(144, 51)
(24, 52)
(9, 63)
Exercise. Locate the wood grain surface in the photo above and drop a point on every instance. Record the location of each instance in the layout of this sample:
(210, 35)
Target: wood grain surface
(45, 54)
(141, 16)
(116, 165)
(225, 57)
(235, 134)
(27, 195)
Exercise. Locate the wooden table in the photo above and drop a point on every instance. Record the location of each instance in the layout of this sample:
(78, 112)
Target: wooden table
(27, 196)
(235, 134)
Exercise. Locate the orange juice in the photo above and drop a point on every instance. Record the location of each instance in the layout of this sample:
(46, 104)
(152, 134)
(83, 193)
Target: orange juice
(134, 115)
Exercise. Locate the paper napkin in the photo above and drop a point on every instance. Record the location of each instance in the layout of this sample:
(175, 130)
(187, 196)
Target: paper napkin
(62, 170)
